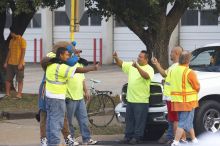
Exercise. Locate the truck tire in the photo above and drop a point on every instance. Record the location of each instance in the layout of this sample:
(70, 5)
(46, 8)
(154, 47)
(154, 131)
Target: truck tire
(207, 109)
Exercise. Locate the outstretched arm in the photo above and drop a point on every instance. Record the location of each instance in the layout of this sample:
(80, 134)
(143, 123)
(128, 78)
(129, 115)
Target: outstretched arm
(158, 67)
(117, 60)
(87, 69)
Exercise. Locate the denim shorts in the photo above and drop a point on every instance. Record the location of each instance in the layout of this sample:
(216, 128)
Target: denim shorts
(186, 120)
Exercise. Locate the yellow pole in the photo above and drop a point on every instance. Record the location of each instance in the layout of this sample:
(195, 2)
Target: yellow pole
(72, 20)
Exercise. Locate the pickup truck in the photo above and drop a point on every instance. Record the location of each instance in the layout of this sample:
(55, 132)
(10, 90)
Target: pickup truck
(206, 62)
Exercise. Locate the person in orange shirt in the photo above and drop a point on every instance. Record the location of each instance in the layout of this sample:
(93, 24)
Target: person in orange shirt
(14, 63)
(184, 96)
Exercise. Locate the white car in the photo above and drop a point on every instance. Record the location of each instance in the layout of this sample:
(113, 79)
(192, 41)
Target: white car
(206, 62)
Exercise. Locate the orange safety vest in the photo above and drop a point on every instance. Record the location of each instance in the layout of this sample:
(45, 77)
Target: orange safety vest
(183, 96)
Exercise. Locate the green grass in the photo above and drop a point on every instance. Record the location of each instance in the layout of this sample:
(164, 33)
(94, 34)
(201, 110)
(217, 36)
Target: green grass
(29, 102)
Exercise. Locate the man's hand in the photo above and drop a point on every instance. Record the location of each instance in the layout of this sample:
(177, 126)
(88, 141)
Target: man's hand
(115, 55)
(20, 66)
(135, 65)
(154, 61)
(5, 65)
(96, 67)
(87, 96)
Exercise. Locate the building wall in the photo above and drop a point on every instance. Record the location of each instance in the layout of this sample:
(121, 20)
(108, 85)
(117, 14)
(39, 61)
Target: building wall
(190, 34)
(199, 28)
(127, 44)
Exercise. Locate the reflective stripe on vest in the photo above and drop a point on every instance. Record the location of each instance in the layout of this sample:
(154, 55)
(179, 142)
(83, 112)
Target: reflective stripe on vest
(182, 91)
(57, 71)
(67, 71)
(56, 76)
(56, 82)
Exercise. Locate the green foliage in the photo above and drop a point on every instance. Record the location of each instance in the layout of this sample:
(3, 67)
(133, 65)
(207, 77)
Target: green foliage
(28, 6)
(144, 11)
(4, 5)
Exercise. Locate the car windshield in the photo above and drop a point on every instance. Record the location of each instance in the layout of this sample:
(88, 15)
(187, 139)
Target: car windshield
(206, 59)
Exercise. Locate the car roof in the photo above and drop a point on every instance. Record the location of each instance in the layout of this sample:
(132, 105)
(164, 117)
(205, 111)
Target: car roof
(212, 45)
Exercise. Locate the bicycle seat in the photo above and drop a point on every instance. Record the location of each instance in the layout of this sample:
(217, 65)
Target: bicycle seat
(95, 81)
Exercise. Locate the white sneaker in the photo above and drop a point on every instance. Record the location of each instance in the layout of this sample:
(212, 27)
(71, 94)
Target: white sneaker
(70, 141)
(183, 141)
(90, 142)
(43, 141)
(175, 143)
(195, 141)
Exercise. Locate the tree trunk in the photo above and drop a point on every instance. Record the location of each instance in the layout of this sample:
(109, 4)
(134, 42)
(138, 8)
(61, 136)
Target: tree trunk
(19, 25)
(160, 51)
(158, 47)
(2, 47)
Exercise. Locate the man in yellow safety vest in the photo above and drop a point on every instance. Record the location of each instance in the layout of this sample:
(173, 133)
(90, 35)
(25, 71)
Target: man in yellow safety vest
(184, 96)
(172, 115)
(57, 74)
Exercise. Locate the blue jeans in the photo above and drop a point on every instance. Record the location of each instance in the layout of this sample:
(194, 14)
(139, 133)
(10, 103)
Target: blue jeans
(78, 108)
(135, 120)
(170, 133)
(55, 109)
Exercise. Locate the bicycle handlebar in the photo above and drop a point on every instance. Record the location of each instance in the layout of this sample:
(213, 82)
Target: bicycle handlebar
(95, 81)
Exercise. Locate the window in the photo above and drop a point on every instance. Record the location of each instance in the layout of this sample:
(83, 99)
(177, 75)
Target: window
(96, 19)
(34, 23)
(61, 18)
(190, 17)
(201, 59)
(37, 21)
(84, 21)
(209, 17)
(8, 20)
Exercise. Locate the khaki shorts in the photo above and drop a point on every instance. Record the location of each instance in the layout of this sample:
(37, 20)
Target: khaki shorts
(12, 70)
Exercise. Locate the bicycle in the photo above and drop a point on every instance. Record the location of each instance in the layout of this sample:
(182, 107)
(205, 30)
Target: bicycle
(101, 106)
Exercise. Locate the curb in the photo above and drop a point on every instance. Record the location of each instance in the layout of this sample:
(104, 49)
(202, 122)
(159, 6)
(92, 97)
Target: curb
(17, 115)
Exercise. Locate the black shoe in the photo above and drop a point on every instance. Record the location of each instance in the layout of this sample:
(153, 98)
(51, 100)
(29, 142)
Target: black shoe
(124, 141)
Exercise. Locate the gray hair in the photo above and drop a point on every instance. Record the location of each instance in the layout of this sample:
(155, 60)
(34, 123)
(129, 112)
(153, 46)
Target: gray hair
(185, 57)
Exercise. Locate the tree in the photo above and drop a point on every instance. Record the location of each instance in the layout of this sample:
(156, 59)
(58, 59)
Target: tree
(150, 20)
(22, 11)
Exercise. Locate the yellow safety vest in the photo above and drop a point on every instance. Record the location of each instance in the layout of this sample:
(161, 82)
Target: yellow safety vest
(56, 78)
(181, 89)
(166, 87)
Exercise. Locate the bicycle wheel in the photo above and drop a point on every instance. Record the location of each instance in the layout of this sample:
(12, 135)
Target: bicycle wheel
(101, 110)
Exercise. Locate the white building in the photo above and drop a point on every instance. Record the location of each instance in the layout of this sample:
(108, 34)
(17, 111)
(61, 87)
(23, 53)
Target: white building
(196, 29)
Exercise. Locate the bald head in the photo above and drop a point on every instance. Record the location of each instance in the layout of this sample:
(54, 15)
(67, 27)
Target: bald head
(175, 53)
(185, 57)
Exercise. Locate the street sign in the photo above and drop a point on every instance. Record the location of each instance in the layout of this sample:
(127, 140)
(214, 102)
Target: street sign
(79, 7)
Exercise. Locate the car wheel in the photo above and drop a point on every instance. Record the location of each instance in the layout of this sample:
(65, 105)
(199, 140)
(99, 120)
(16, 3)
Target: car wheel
(205, 114)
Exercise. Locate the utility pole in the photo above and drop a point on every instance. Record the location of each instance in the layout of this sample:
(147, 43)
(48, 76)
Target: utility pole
(74, 10)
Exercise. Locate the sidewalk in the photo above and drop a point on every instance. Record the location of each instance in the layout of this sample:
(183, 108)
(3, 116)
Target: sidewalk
(26, 133)
(111, 77)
